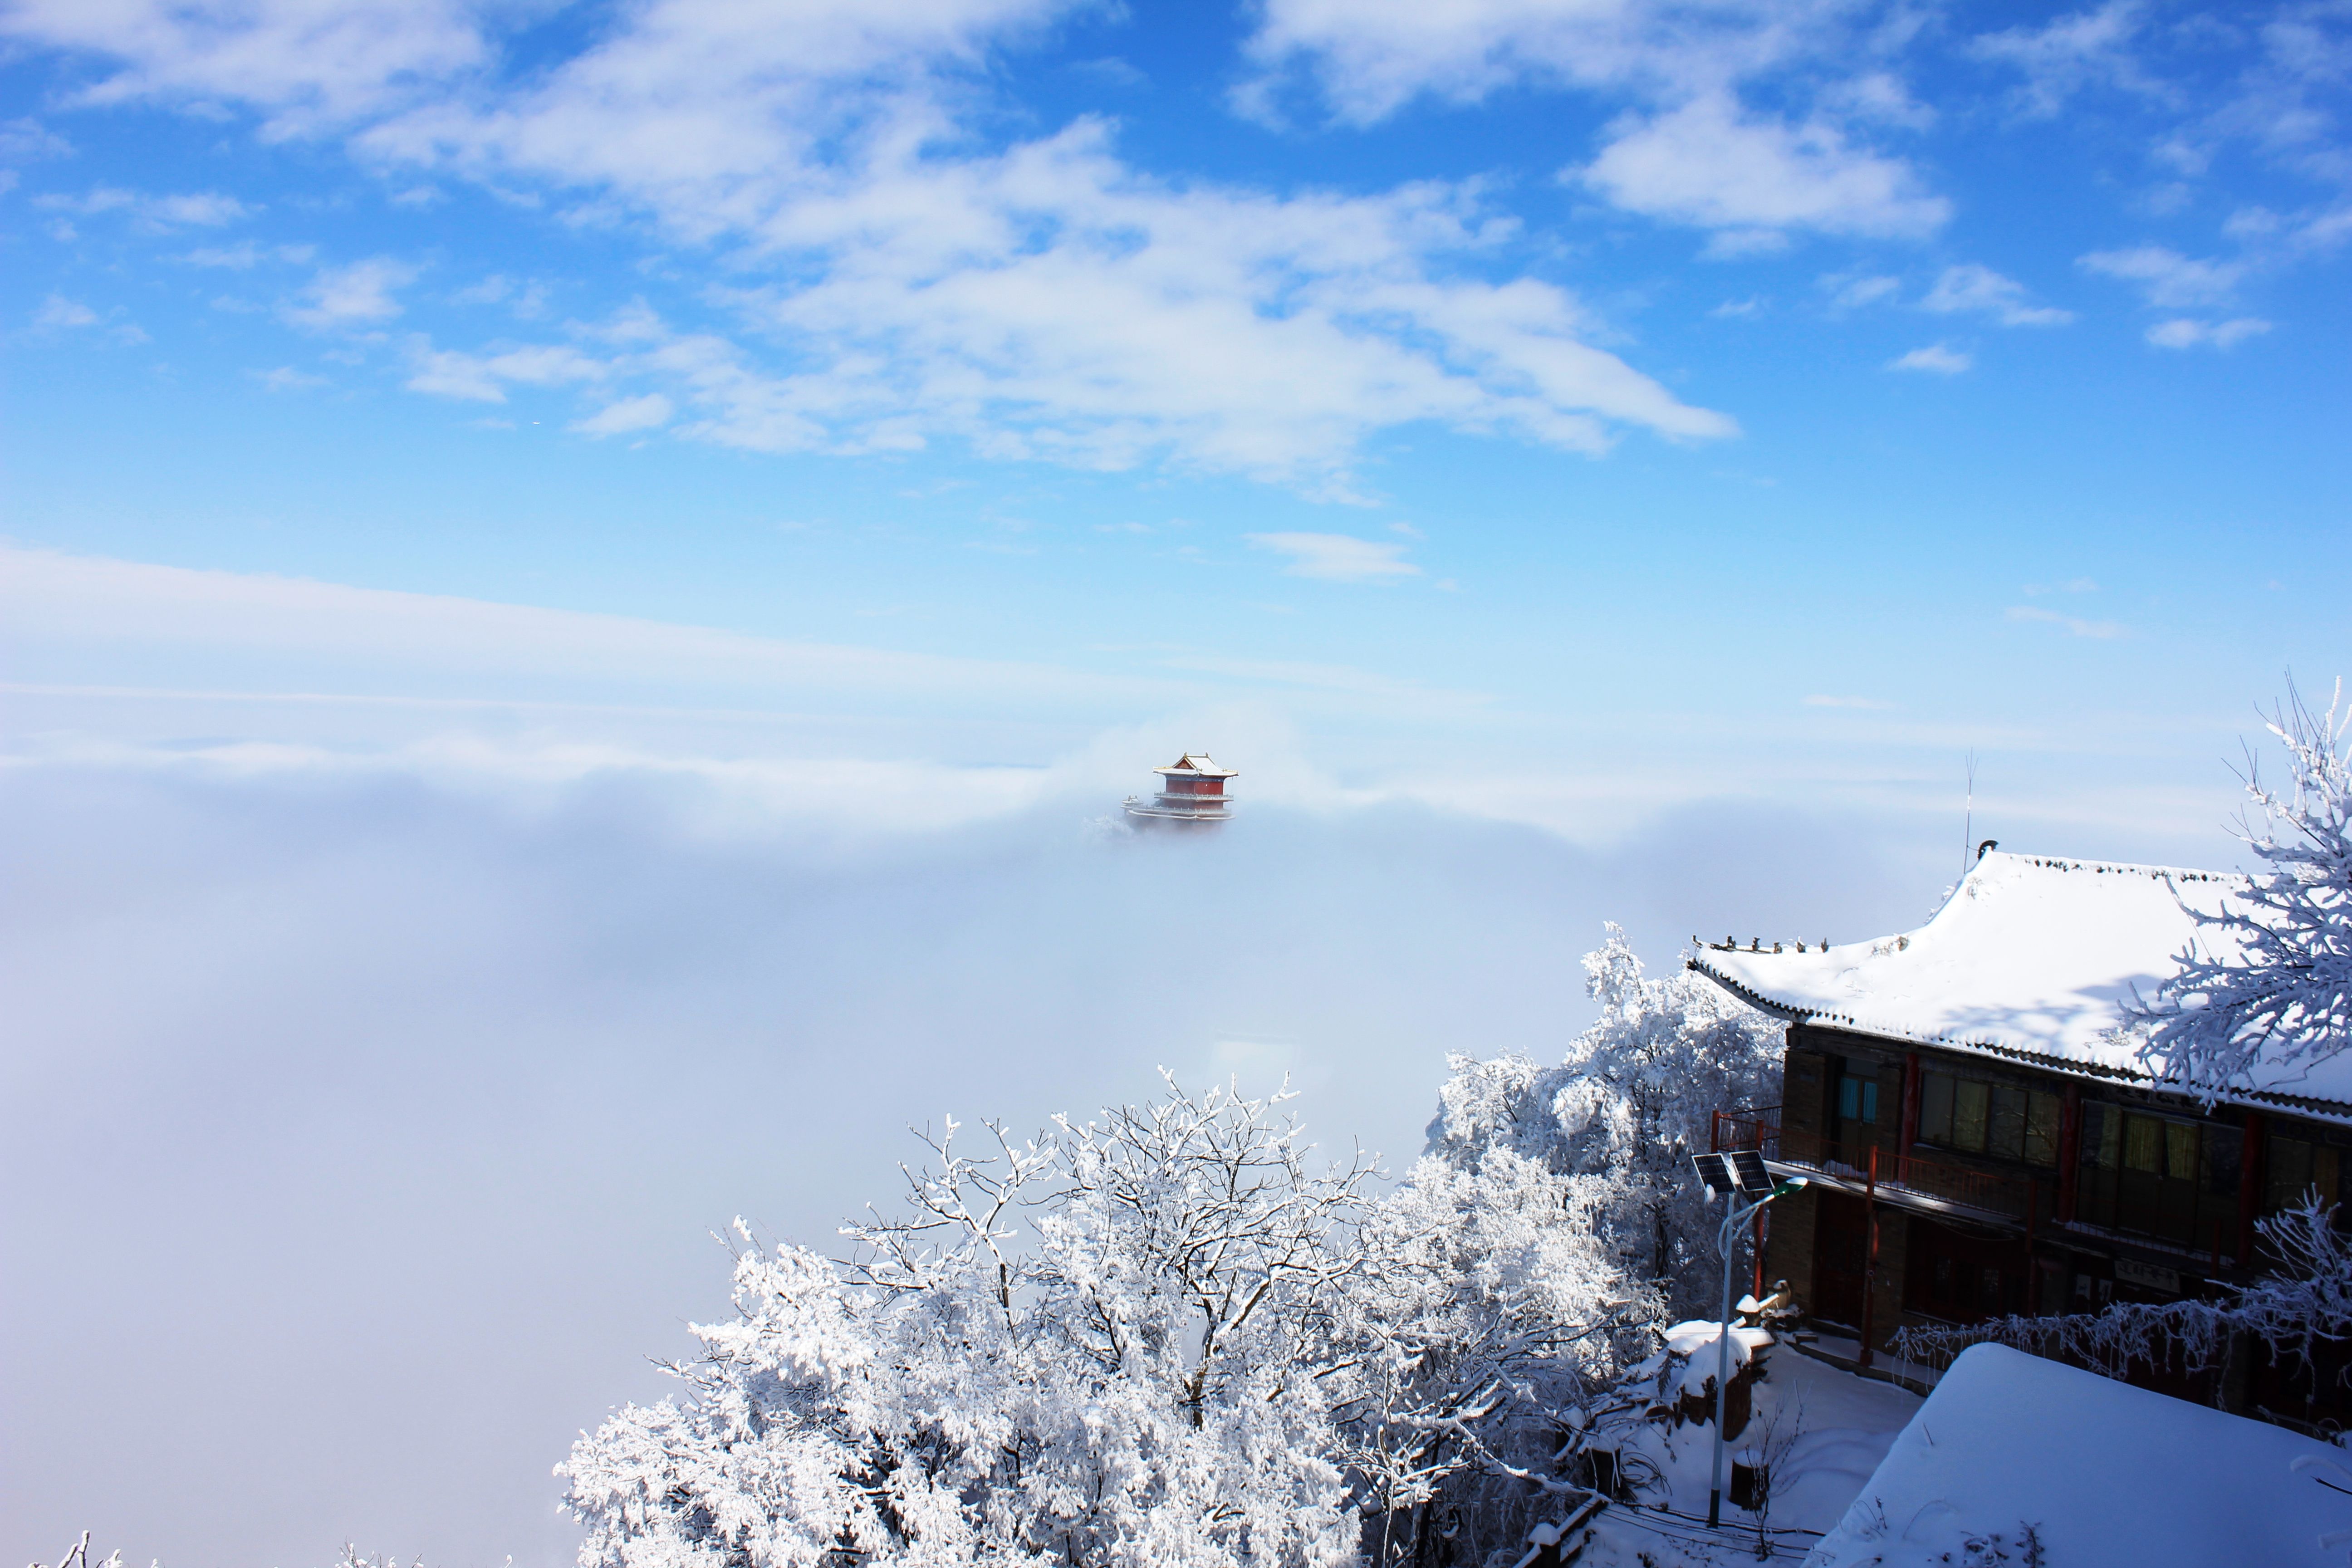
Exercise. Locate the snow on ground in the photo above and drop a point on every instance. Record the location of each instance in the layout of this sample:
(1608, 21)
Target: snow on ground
(2102, 1472)
(1826, 1431)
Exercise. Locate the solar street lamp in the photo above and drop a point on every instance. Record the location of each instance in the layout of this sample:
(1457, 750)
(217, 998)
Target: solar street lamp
(1739, 1175)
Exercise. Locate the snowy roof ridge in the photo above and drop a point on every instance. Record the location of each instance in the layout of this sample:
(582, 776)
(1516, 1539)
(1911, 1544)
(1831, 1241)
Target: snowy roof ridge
(2034, 958)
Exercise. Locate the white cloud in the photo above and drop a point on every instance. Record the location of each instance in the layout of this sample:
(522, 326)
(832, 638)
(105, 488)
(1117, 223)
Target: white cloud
(1710, 163)
(300, 61)
(1941, 359)
(286, 378)
(2102, 630)
(631, 414)
(1338, 557)
(1369, 58)
(2186, 333)
(2080, 49)
(248, 254)
(1852, 293)
(58, 312)
(1973, 288)
(199, 209)
(25, 139)
(1043, 302)
(83, 602)
(2169, 280)
(484, 378)
(356, 295)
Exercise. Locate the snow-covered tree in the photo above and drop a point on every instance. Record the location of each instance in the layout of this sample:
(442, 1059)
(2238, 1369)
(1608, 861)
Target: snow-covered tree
(2269, 981)
(1148, 1376)
(1166, 1337)
(1614, 1124)
(1556, 1221)
(2289, 1312)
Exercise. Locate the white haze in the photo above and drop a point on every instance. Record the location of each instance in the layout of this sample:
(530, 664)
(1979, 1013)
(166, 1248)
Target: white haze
(369, 1131)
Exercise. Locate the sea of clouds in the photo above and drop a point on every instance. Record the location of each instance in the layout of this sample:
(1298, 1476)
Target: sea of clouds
(373, 1120)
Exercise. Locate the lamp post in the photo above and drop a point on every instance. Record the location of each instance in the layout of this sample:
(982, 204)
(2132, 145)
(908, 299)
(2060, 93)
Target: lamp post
(1738, 1174)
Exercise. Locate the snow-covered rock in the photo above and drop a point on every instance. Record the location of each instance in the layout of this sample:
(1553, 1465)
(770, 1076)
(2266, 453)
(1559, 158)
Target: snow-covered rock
(2020, 1460)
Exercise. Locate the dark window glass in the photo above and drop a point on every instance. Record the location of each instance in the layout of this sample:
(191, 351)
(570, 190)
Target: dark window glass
(2143, 1144)
(2223, 1146)
(2006, 1138)
(2292, 1171)
(1858, 1100)
(2042, 1115)
(1971, 1111)
(1936, 1107)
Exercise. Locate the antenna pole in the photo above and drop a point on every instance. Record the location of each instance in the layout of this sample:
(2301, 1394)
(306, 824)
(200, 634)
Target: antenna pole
(1969, 815)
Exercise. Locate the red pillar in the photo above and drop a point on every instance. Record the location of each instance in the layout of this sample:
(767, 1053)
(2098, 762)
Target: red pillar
(1870, 1257)
(1910, 1130)
(2250, 1186)
(2070, 1152)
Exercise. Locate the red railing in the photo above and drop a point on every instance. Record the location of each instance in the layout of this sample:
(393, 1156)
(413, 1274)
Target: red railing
(2019, 1198)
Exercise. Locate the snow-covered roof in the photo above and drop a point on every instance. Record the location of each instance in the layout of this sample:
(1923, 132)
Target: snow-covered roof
(1201, 763)
(2032, 956)
(2102, 1471)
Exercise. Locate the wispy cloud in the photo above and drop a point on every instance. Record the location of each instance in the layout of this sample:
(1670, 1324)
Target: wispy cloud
(2169, 280)
(1979, 289)
(248, 254)
(58, 312)
(1939, 359)
(1338, 557)
(2186, 333)
(200, 209)
(1863, 702)
(357, 295)
(627, 417)
(2081, 628)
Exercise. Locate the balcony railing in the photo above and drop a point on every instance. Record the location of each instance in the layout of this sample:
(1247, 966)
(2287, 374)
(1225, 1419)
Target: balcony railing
(2023, 1199)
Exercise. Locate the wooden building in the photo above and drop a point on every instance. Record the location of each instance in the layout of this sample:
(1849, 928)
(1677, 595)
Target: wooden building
(1980, 1140)
(1192, 793)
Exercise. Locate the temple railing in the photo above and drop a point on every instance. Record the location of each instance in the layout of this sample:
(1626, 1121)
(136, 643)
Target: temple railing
(2025, 1200)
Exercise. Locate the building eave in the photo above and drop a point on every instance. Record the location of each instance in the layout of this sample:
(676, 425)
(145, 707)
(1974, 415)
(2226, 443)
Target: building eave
(2311, 1106)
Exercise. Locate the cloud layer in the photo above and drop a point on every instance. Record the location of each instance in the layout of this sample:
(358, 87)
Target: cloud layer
(383, 1126)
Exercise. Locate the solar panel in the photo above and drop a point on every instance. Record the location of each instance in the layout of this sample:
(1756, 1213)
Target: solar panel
(1747, 1173)
(1716, 1172)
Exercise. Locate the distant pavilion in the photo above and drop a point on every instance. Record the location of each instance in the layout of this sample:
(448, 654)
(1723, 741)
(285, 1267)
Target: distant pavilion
(1191, 792)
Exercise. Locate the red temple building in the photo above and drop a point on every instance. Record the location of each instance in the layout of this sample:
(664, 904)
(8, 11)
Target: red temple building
(1192, 791)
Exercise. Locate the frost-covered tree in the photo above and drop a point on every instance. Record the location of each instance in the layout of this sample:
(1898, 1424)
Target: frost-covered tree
(1555, 1222)
(1148, 1376)
(1613, 1125)
(2305, 1300)
(2269, 981)
(1490, 1327)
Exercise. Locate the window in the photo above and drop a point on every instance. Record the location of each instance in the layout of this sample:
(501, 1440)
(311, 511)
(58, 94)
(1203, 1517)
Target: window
(1857, 1099)
(2042, 1115)
(2224, 1155)
(1971, 1109)
(1936, 1108)
(2000, 1120)
(2296, 1167)
(2144, 1144)
(2007, 1139)
(2103, 1133)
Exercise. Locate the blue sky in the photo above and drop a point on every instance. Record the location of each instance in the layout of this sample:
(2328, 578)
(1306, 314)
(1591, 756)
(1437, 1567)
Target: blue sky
(1790, 397)
(579, 585)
